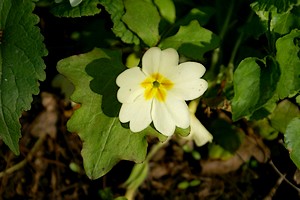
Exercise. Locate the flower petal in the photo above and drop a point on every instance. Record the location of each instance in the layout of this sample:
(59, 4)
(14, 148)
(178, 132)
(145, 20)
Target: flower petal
(179, 111)
(168, 61)
(128, 94)
(198, 132)
(129, 82)
(190, 70)
(190, 89)
(162, 119)
(138, 114)
(132, 76)
(151, 61)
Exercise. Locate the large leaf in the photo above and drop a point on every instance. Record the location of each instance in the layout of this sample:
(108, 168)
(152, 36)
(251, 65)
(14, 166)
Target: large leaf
(116, 9)
(21, 66)
(105, 139)
(292, 140)
(85, 8)
(288, 51)
(192, 41)
(142, 17)
(254, 85)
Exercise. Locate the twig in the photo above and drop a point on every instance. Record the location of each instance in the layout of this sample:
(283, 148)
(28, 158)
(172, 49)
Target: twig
(273, 190)
(282, 175)
(26, 159)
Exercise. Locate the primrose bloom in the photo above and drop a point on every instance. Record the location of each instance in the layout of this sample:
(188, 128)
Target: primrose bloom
(198, 132)
(157, 92)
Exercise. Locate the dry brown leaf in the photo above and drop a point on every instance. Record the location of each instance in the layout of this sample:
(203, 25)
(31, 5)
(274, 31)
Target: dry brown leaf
(251, 147)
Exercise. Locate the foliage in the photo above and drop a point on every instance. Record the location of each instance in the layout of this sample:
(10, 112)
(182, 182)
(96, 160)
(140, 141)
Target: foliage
(21, 66)
(252, 62)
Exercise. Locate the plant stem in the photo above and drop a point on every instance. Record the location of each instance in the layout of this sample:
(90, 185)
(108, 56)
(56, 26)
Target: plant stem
(21, 164)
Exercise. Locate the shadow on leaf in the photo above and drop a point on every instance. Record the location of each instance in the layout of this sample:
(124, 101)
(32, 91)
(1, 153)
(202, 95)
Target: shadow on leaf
(104, 72)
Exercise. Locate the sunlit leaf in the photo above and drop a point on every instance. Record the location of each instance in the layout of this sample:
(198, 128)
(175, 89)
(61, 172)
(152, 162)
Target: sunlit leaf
(166, 9)
(105, 140)
(142, 18)
(292, 140)
(21, 66)
(192, 41)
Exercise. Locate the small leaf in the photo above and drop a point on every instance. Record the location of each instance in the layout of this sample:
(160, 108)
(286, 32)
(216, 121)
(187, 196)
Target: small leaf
(283, 114)
(76, 9)
(116, 9)
(166, 9)
(192, 41)
(288, 51)
(105, 140)
(254, 83)
(292, 140)
(143, 19)
(21, 66)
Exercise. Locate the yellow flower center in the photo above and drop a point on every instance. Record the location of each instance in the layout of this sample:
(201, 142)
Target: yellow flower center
(156, 86)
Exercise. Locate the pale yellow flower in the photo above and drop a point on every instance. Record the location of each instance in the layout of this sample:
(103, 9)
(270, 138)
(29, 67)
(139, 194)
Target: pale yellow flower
(157, 92)
(198, 132)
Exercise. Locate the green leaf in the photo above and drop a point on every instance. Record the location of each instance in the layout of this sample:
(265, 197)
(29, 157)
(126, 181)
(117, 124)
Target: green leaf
(85, 8)
(288, 51)
(166, 9)
(116, 9)
(142, 18)
(192, 41)
(283, 114)
(285, 22)
(105, 140)
(21, 66)
(292, 140)
(273, 5)
(254, 83)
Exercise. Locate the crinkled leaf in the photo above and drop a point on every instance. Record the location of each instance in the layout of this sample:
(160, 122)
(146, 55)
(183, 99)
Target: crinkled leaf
(292, 140)
(166, 9)
(85, 8)
(21, 66)
(271, 5)
(142, 18)
(105, 140)
(288, 57)
(116, 9)
(254, 85)
(192, 41)
(283, 114)
(279, 22)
